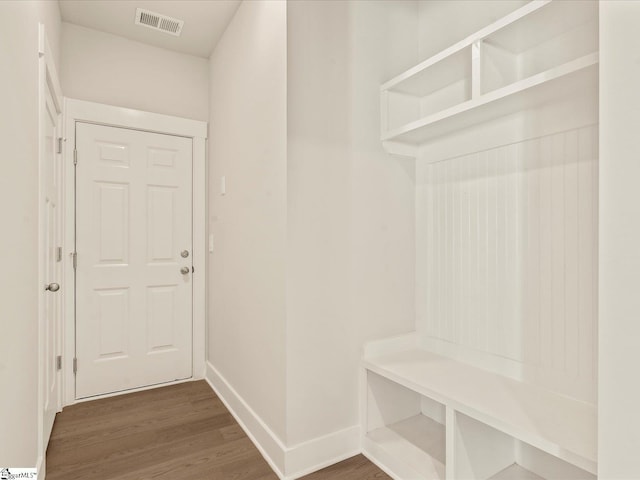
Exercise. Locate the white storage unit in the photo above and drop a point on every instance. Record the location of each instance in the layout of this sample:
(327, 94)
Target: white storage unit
(431, 417)
(535, 55)
(499, 380)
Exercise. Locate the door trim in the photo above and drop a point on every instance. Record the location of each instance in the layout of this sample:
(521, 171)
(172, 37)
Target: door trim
(90, 112)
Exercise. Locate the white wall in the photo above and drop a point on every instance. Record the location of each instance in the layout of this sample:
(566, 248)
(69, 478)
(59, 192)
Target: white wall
(247, 145)
(19, 289)
(309, 86)
(383, 39)
(350, 205)
(105, 68)
(508, 238)
(619, 391)
(319, 326)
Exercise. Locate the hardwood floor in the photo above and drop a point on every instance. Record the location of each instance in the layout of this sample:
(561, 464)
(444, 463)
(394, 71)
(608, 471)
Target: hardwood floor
(176, 432)
(355, 468)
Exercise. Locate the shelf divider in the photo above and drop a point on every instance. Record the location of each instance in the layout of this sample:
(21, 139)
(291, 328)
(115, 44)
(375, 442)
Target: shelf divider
(476, 69)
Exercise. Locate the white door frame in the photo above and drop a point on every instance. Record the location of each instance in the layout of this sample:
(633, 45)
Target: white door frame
(79, 110)
(47, 81)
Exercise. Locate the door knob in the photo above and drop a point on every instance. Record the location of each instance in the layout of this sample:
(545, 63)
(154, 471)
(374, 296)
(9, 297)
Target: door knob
(53, 287)
(184, 270)
(184, 253)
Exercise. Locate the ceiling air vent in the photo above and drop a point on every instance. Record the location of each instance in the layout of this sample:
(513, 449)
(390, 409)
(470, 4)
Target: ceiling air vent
(157, 21)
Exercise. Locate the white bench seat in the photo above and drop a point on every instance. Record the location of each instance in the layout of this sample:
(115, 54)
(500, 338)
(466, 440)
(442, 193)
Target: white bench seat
(553, 423)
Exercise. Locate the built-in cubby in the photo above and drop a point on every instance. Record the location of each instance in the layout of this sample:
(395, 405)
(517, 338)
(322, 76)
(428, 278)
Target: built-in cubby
(538, 53)
(548, 38)
(482, 452)
(499, 380)
(405, 428)
(445, 84)
(426, 417)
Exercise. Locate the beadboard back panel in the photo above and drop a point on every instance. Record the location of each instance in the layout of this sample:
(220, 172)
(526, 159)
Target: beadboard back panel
(507, 259)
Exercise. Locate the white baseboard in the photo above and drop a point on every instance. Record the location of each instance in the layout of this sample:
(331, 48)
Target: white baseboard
(287, 462)
(265, 440)
(318, 453)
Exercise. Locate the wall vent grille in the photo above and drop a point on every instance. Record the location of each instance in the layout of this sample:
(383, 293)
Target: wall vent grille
(160, 22)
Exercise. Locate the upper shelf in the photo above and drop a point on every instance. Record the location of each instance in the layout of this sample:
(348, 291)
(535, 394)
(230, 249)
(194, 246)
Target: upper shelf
(544, 51)
(397, 81)
(540, 88)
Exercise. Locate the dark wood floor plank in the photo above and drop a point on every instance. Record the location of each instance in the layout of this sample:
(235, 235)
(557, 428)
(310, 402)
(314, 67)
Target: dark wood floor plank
(354, 468)
(179, 431)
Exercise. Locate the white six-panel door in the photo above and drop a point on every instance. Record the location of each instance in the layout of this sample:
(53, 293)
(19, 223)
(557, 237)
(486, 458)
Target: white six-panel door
(134, 246)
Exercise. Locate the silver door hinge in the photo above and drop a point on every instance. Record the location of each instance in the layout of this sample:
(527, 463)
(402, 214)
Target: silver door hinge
(75, 156)
(59, 362)
(59, 149)
(74, 258)
(75, 366)
(59, 254)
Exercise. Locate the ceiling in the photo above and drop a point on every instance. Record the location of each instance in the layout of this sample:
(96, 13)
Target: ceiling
(204, 21)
